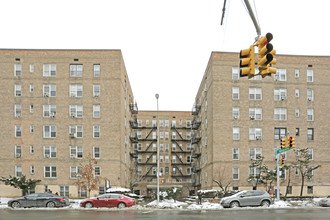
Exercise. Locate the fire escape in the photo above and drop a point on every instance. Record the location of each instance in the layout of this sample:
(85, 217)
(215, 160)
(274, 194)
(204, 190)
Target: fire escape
(195, 142)
(179, 163)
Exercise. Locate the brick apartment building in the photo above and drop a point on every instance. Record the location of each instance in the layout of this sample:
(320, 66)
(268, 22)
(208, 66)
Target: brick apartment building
(58, 106)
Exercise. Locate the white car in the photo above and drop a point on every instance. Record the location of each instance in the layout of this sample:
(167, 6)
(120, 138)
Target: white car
(325, 202)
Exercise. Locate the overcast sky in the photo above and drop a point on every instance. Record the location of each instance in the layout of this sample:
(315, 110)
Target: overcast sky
(166, 44)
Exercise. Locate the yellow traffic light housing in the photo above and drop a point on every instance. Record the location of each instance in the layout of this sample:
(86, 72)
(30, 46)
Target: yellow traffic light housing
(284, 143)
(247, 62)
(281, 161)
(266, 55)
(291, 143)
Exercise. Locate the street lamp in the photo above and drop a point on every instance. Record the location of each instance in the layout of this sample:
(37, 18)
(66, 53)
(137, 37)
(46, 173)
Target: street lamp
(157, 96)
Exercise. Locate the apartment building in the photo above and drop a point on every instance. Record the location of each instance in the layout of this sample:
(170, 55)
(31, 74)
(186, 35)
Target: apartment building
(242, 118)
(59, 106)
(175, 151)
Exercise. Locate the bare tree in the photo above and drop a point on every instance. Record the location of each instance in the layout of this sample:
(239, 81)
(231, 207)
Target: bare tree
(222, 180)
(86, 178)
(304, 164)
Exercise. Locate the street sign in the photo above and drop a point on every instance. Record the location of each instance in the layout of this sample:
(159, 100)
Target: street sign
(279, 151)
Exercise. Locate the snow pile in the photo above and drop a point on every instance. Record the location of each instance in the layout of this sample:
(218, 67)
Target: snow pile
(166, 204)
(280, 204)
(118, 189)
(205, 205)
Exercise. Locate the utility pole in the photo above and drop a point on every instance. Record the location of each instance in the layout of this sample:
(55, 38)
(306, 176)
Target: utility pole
(256, 25)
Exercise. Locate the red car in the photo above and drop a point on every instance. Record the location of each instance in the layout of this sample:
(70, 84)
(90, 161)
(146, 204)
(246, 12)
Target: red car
(109, 201)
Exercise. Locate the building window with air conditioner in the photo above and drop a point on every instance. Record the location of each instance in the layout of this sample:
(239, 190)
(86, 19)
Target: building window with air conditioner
(255, 134)
(76, 90)
(49, 151)
(18, 90)
(235, 112)
(49, 131)
(255, 113)
(255, 153)
(96, 90)
(76, 131)
(49, 90)
(18, 131)
(74, 171)
(49, 111)
(76, 111)
(310, 95)
(76, 152)
(18, 111)
(18, 151)
(280, 94)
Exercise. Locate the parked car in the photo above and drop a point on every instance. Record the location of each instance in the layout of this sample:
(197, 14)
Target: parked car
(109, 200)
(247, 198)
(39, 200)
(325, 201)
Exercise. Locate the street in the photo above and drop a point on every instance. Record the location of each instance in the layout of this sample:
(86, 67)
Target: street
(166, 214)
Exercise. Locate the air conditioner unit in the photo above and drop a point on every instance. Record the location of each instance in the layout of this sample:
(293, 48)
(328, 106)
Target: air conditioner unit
(47, 156)
(17, 155)
(72, 135)
(73, 116)
(73, 95)
(18, 115)
(235, 117)
(52, 115)
(97, 95)
(258, 138)
(309, 99)
(72, 156)
(251, 117)
(283, 98)
(46, 94)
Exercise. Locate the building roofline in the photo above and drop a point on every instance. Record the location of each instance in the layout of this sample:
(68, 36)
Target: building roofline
(297, 55)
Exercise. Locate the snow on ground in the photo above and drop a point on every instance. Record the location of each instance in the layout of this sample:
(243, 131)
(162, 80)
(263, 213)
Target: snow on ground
(190, 205)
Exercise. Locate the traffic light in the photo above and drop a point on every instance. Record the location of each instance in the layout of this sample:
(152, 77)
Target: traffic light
(283, 143)
(281, 161)
(291, 142)
(266, 55)
(247, 62)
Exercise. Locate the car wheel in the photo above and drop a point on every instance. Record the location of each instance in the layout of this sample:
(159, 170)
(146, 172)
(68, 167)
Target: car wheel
(121, 205)
(15, 205)
(234, 204)
(265, 203)
(50, 205)
(89, 205)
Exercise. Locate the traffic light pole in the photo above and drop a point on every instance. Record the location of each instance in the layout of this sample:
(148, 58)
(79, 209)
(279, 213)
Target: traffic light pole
(278, 177)
(247, 3)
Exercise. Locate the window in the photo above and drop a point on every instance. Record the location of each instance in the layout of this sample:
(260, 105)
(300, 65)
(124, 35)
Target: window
(31, 169)
(96, 111)
(18, 110)
(235, 173)
(297, 93)
(280, 75)
(18, 130)
(255, 113)
(96, 90)
(31, 88)
(76, 90)
(31, 108)
(235, 112)
(167, 146)
(31, 129)
(255, 93)
(297, 113)
(64, 191)
(297, 131)
(76, 70)
(96, 131)
(76, 111)
(236, 153)
(236, 135)
(255, 133)
(167, 135)
(18, 151)
(97, 70)
(31, 149)
(50, 172)
(280, 114)
(49, 131)
(310, 75)
(154, 123)
(235, 72)
(18, 170)
(31, 68)
(97, 171)
(49, 110)
(310, 152)
(188, 123)
(254, 172)
(310, 114)
(18, 69)
(173, 123)
(310, 95)
(167, 123)
(296, 73)
(76, 131)
(235, 93)
(167, 159)
(310, 134)
(279, 133)
(49, 70)
(18, 90)
(49, 90)
(309, 189)
(280, 94)
(49, 151)
(76, 152)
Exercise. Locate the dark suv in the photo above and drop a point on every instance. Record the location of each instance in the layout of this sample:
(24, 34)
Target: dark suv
(247, 198)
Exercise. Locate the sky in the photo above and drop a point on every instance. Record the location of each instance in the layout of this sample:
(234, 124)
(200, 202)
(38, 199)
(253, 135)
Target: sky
(166, 44)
